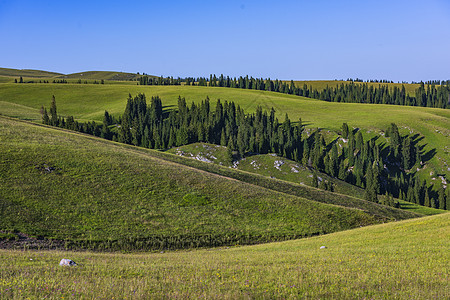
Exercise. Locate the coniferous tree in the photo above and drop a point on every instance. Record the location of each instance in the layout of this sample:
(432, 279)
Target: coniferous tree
(314, 181)
(427, 200)
(53, 113)
(345, 130)
(45, 118)
(359, 140)
(441, 198)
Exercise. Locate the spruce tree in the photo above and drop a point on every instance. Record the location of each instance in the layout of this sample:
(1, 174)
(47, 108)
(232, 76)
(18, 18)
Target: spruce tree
(427, 200)
(441, 198)
(359, 140)
(314, 181)
(342, 171)
(45, 118)
(53, 113)
(223, 138)
(345, 130)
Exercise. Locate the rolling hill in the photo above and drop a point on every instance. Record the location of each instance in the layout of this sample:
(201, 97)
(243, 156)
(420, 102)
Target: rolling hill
(27, 73)
(88, 75)
(105, 75)
(96, 194)
(88, 102)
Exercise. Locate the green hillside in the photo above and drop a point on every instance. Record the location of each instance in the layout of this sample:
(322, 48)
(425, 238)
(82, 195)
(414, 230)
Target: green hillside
(269, 165)
(401, 260)
(98, 194)
(98, 75)
(27, 73)
(8, 75)
(275, 167)
(88, 102)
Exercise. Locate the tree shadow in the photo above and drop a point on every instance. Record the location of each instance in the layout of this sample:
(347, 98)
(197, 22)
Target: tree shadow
(428, 155)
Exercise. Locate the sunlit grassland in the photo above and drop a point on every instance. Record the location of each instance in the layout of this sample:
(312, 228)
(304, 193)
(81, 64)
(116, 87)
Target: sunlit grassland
(27, 73)
(401, 260)
(106, 195)
(88, 102)
(269, 165)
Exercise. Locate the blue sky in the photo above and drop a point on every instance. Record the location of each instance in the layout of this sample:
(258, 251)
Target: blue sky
(395, 40)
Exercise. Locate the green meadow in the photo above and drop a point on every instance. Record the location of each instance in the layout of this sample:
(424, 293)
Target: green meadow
(148, 224)
(401, 260)
(96, 194)
(88, 102)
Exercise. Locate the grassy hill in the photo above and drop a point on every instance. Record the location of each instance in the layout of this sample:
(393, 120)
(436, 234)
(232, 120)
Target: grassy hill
(88, 102)
(279, 170)
(8, 75)
(98, 194)
(27, 73)
(98, 75)
(401, 260)
(269, 165)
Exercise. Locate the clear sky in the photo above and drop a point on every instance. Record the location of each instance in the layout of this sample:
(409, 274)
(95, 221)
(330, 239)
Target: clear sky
(395, 40)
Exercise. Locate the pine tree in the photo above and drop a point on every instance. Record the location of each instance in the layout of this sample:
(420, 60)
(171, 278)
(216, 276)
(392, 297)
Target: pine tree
(345, 130)
(333, 165)
(427, 200)
(342, 175)
(305, 156)
(441, 198)
(359, 140)
(223, 138)
(53, 113)
(45, 118)
(406, 153)
(314, 181)
(371, 186)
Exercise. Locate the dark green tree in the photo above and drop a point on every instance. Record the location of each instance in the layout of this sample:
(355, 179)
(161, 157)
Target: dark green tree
(314, 181)
(53, 113)
(441, 198)
(345, 130)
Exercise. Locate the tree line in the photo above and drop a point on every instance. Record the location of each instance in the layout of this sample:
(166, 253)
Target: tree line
(433, 95)
(79, 81)
(378, 168)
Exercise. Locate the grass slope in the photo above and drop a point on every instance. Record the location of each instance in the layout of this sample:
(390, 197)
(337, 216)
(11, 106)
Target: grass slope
(270, 165)
(88, 102)
(99, 194)
(27, 73)
(98, 75)
(402, 260)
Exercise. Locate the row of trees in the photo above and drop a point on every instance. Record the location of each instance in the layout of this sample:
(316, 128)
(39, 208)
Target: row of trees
(377, 168)
(79, 81)
(432, 95)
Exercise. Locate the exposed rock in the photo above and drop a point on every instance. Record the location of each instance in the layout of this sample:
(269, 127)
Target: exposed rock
(278, 163)
(67, 262)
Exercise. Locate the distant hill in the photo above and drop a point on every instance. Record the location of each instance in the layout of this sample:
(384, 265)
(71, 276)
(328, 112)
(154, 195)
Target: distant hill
(105, 75)
(88, 75)
(27, 73)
